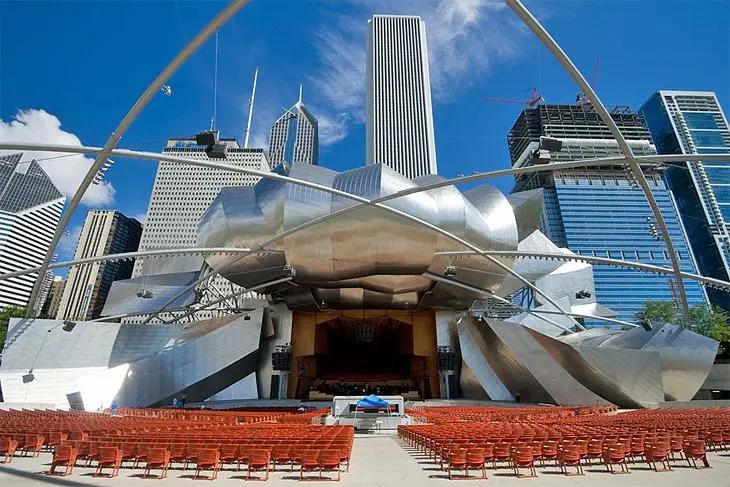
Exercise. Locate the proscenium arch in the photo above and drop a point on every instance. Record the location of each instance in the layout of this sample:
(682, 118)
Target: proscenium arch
(101, 157)
(623, 145)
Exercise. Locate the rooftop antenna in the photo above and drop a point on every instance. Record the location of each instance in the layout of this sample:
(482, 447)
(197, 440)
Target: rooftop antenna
(250, 109)
(215, 85)
(300, 94)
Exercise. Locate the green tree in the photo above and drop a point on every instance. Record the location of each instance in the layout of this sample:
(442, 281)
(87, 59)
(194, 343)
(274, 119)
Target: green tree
(5, 315)
(713, 323)
(657, 311)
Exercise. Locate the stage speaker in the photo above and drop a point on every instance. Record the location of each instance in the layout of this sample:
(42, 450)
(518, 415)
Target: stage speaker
(274, 390)
(453, 386)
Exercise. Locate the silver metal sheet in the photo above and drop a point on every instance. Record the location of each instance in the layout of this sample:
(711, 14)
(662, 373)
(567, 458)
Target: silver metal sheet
(123, 296)
(686, 356)
(156, 362)
(374, 258)
(527, 206)
(629, 378)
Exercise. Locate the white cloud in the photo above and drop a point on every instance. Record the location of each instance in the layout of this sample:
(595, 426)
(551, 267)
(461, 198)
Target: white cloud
(465, 39)
(67, 172)
(333, 127)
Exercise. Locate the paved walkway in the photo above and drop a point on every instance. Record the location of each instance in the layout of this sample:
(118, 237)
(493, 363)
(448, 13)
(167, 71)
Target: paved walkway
(381, 460)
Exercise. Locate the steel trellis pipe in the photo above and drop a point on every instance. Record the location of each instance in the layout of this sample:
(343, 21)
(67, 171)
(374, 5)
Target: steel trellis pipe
(101, 158)
(598, 106)
(654, 159)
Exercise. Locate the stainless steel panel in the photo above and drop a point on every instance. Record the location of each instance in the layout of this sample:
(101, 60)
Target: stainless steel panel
(123, 296)
(374, 257)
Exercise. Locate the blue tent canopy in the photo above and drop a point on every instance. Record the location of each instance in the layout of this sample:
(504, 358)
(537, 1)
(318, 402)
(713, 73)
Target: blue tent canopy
(372, 401)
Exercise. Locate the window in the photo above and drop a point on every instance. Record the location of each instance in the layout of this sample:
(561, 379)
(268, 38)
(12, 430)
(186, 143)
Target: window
(696, 120)
(704, 138)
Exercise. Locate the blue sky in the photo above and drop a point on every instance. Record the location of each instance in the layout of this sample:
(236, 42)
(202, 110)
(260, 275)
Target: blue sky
(85, 62)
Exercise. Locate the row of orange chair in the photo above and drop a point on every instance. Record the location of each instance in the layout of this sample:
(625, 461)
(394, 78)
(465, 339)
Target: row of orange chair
(569, 437)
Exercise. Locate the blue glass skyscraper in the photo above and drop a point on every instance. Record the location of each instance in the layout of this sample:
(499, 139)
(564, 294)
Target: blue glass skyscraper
(601, 211)
(692, 122)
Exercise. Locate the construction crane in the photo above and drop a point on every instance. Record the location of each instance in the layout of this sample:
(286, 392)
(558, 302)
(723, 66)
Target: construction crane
(581, 98)
(533, 101)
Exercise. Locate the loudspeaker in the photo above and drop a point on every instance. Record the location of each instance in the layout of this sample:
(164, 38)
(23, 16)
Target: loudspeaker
(274, 390)
(452, 385)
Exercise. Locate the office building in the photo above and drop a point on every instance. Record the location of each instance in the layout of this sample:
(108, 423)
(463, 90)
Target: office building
(53, 298)
(294, 137)
(181, 194)
(30, 209)
(692, 122)
(399, 119)
(601, 211)
(104, 232)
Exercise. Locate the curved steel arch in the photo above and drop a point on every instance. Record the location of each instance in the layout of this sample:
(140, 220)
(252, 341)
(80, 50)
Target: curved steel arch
(631, 160)
(233, 7)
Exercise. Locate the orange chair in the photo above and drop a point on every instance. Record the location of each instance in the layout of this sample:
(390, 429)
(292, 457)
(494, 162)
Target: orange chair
(502, 453)
(475, 460)
(177, 453)
(243, 456)
(109, 456)
(65, 456)
(281, 455)
(658, 452)
(33, 444)
(696, 451)
(258, 461)
(208, 459)
(157, 458)
(570, 456)
(56, 438)
(595, 451)
(549, 452)
(309, 462)
(615, 455)
(456, 460)
(522, 458)
(7, 448)
(229, 454)
(329, 461)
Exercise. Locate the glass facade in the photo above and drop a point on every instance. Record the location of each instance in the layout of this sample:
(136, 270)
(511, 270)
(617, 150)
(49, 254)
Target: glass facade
(609, 217)
(687, 122)
(601, 211)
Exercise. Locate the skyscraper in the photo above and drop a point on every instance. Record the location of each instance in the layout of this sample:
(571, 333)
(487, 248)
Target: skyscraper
(294, 137)
(30, 208)
(692, 122)
(399, 127)
(180, 195)
(601, 211)
(53, 299)
(87, 286)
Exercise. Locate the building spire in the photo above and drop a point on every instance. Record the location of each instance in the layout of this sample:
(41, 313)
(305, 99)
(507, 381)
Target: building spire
(300, 94)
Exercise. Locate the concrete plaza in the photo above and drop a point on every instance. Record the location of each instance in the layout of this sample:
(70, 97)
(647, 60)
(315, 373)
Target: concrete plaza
(382, 460)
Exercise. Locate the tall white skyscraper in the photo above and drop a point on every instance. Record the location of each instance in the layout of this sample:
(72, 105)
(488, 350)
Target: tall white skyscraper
(399, 128)
(181, 194)
(294, 137)
(30, 208)
(87, 286)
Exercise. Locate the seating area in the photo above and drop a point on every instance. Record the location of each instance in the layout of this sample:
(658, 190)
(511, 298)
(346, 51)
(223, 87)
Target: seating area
(465, 441)
(193, 443)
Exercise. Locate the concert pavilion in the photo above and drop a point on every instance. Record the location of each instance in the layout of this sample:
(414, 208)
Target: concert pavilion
(356, 282)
